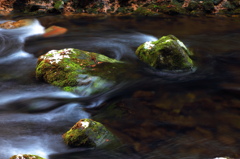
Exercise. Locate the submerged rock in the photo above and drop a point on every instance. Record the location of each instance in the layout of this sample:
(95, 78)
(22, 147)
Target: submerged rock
(15, 24)
(78, 71)
(88, 133)
(26, 156)
(54, 31)
(167, 53)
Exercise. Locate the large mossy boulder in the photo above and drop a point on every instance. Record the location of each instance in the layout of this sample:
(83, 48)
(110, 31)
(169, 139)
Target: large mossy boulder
(79, 71)
(88, 133)
(26, 156)
(167, 53)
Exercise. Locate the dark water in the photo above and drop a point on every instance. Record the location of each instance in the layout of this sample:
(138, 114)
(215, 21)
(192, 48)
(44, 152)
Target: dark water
(155, 115)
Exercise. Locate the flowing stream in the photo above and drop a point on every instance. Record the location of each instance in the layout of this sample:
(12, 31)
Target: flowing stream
(165, 115)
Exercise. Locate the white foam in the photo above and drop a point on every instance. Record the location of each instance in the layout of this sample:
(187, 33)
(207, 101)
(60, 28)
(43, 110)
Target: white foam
(85, 124)
(146, 37)
(148, 45)
(35, 145)
(31, 30)
(11, 40)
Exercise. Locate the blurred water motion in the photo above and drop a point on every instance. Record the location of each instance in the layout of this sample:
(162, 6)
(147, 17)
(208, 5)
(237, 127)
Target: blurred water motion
(160, 115)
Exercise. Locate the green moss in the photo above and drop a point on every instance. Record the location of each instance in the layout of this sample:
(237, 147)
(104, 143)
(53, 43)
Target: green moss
(69, 89)
(124, 10)
(87, 133)
(173, 8)
(236, 11)
(166, 53)
(208, 6)
(142, 11)
(26, 156)
(79, 71)
(77, 138)
(58, 4)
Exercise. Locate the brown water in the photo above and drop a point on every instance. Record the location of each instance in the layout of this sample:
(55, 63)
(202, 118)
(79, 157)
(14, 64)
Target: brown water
(192, 115)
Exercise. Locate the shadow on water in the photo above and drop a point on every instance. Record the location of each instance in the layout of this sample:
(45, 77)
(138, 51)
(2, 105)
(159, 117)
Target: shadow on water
(189, 115)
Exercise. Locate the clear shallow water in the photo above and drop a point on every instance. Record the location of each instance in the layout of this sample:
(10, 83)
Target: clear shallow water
(159, 115)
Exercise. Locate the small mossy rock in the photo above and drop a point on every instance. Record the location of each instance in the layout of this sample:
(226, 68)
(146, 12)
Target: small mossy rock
(88, 133)
(167, 53)
(15, 24)
(78, 71)
(26, 156)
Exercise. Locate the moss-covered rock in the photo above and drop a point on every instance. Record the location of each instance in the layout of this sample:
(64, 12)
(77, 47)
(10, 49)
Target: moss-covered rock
(167, 53)
(208, 6)
(26, 156)
(88, 133)
(79, 71)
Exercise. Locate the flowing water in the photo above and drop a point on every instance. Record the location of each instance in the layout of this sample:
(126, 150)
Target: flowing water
(155, 115)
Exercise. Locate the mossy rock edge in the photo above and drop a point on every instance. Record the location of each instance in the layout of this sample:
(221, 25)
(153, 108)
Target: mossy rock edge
(78, 71)
(167, 53)
(88, 133)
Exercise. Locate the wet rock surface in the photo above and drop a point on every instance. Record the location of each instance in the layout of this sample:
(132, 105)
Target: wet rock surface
(167, 53)
(79, 71)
